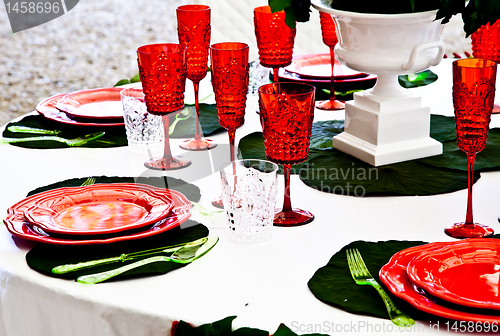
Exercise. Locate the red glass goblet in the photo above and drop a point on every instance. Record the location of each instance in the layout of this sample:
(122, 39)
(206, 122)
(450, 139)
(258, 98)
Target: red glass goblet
(486, 45)
(230, 68)
(330, 39)
(473, 96)
(286, 116)
(274, 39)
(162, 69)
(193, 28)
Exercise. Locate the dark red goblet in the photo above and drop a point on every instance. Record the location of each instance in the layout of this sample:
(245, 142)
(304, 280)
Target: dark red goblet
(193, 28)
(330, 39)
(274, 39)
(229, 68)
(286, 116)
(473, 96)
(486, 45)
(162, 69)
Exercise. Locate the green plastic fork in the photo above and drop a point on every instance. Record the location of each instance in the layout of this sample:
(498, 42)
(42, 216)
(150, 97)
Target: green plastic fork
(80, 141)
(362, 276)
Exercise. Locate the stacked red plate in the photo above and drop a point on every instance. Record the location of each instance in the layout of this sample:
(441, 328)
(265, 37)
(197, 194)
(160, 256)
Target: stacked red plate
(315, 69)
(455, 280)
(97, 214)
(96, 107)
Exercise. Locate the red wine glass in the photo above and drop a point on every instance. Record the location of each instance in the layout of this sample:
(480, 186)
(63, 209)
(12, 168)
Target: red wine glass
(486, 45)
(193, 28)
(162, 69)
(330, 39)
(286, 116)
(473, 96)
(274, 39)
(230, 69)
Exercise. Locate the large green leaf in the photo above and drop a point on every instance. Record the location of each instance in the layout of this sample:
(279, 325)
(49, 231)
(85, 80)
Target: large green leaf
(443, 128)
(339, 173)
(208, 118)
(324, 131)
(419, 79)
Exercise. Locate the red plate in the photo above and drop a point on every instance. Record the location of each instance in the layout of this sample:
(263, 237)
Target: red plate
(97, 209)
(18, 226)
(394, 276)
(317, 66)
(48, 109)
(98, 104)
(465, 273)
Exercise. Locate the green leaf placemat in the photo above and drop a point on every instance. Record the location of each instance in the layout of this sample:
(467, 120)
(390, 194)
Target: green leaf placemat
(417, 79)
(44, 257)
(114, 137)
(209, 121)
(189, 190)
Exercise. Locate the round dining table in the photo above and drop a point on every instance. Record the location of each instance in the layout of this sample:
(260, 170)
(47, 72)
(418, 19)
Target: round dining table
(263, 284)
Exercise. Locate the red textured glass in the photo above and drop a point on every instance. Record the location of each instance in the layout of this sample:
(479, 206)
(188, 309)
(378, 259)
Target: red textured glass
(473, 96)
(286, 116)
(230, 70)
(193, 28)
(486, 45)
(330, 39)
(274, 39)
(162, 69)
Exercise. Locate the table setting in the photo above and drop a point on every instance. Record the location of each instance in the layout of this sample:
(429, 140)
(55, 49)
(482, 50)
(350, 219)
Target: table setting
(162, 205)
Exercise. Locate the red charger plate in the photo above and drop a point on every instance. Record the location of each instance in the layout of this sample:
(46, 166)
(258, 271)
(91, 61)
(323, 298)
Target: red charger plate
(97, 209)
(103, 103)
(318, 66)
(394, 276)
(18, 226)
(465, 273)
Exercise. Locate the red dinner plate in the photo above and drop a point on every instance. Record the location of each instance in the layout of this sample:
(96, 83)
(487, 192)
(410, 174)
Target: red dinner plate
(394, 276)
(97, 208)
(48, 109)
(104, 103)
(465, 273)
(18, 226)
(318, 66)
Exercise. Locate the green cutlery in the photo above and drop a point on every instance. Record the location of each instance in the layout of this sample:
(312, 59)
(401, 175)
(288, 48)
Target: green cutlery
(80, 141)
(26, 129)
(62, 269)
(185, 115)
(184, 255)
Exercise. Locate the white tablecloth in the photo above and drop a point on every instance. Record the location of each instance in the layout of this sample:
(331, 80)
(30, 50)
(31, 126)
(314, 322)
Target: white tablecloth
(264, 284)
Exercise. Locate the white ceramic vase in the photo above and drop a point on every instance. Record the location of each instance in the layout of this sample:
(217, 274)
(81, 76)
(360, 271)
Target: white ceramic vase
(387, 124)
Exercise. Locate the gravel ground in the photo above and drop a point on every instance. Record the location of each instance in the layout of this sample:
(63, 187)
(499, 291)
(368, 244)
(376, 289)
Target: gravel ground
(94, 45)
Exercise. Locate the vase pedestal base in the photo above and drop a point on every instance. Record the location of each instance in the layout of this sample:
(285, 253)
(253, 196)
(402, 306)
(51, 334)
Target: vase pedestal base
(381, 130)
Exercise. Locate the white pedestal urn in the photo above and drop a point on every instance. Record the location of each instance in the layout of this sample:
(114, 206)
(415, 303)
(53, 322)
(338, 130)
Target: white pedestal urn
(387, 124)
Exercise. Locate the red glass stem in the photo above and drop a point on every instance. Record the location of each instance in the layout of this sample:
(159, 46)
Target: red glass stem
(275, 74)
(332, 77)
(167, 154)
(232, 133)
(470, 168)
(197, 124)
(287, 203)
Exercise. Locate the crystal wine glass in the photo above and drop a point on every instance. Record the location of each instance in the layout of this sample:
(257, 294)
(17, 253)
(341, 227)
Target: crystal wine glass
(286, 116)
(193, 27)
(473, 96)
(330, 39)
(230, 71)
(274, 39)
(486, 45)
(162, 69)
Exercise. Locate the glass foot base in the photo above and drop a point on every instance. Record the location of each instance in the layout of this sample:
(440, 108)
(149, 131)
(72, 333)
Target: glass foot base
(294, 217)
(330, 105)
(496, 109)
(218, 203)
(167, 164)
(198, 145)
(462, 230)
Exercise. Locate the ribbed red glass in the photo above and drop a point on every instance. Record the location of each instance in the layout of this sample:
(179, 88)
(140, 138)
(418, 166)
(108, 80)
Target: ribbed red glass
(193, 28)
(230, 75)
(329, 36)
(286, 116)
(162, 69)
(473, 95)
(275, 39)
